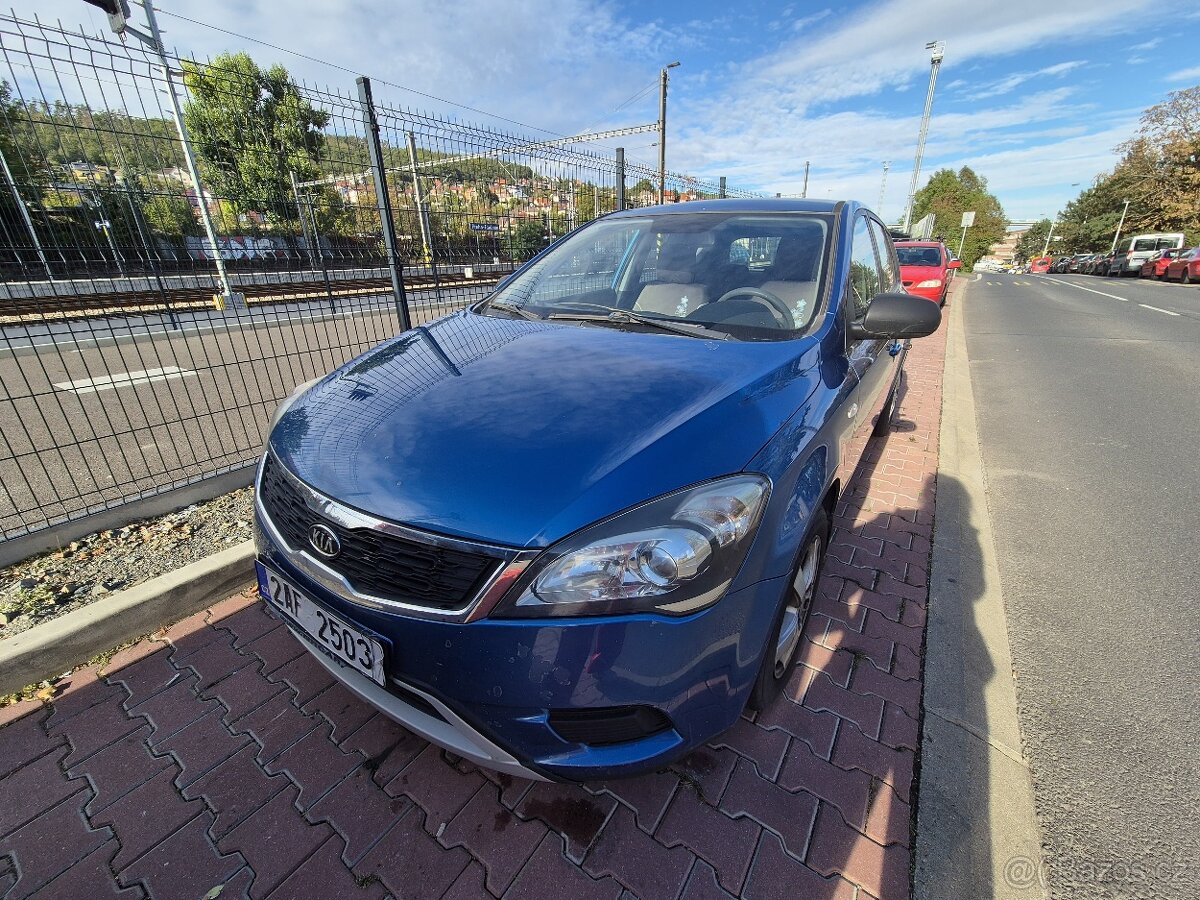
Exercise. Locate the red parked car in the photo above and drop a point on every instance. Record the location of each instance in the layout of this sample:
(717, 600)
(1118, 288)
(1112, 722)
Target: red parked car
(1156, 266)
(1185, 267)
(1041, 265)
(925, 268)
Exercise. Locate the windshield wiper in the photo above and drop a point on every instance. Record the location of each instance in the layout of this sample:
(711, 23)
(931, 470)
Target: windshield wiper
(625, 315)
(515, 310)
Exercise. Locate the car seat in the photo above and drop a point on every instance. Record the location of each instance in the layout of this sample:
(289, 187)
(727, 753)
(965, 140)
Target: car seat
(674, 290)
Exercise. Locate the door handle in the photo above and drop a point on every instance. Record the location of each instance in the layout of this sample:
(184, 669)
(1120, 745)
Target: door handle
(852, 411)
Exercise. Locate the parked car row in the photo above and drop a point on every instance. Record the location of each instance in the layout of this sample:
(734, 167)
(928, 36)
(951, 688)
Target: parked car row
(1182, 265)
(1169, 260)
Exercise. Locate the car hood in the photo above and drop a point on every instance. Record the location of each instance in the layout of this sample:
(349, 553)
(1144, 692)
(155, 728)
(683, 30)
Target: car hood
(921, 273)
(518, 432)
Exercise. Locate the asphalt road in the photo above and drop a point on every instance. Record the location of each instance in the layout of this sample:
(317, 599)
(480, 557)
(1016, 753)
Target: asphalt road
(1089, 422)
(105, 410)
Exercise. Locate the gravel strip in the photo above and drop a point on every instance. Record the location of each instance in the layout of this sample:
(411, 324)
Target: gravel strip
(47, 586)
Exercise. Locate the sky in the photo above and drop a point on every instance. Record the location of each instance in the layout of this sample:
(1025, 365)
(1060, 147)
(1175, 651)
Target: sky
(1033, 96)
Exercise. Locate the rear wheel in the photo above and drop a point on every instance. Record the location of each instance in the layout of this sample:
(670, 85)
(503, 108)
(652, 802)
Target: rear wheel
(782, 648)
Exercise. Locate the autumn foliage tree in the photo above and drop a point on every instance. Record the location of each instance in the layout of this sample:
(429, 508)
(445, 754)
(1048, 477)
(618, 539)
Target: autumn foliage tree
(948, 195)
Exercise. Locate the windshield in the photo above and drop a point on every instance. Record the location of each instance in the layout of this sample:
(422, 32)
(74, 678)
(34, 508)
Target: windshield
(919, 256)
(749, 276)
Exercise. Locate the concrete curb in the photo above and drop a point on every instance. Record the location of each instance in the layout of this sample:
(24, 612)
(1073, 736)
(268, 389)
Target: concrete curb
(977, 831)
(61, 644)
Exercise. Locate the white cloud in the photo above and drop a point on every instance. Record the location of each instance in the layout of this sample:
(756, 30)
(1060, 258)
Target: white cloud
(1147, 45)
(1192, 74)
(1011, 82)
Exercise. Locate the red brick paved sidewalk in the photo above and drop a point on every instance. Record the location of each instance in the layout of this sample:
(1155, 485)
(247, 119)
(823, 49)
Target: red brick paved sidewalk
(220, 753)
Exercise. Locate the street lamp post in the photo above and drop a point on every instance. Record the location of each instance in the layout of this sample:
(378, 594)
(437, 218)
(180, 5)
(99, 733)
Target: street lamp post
(662, 130)
(938, 49)
(1049, 237)
(1120, 225)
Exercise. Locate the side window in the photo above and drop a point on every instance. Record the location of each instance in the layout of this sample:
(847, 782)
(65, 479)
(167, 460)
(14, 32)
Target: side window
(864, 270)
(889, 273)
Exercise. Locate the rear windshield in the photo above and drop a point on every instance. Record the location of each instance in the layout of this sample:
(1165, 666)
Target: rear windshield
(1154, 244)
(919, 256)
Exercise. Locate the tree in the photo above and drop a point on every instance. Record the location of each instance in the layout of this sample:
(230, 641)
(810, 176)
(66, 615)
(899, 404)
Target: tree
(948, 195)
(251, 129)
(170, 215)
(1030, 244)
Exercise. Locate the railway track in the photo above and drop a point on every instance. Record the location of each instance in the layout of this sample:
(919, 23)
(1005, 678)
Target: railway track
(117, 303)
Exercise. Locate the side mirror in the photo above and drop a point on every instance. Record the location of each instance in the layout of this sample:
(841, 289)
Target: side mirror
(897, 315)
(954, 264)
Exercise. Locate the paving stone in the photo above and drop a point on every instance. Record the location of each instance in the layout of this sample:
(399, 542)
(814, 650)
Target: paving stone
(814, 728)
(23, 741)
(848, 790)
(647, 795)
(435, 786)
(229, 608)
(19, 710)
(512, 789)
(236, 788)
(213, 662)
(702, 884)
(495, 837)
(387, 745)
(470, 885)
(790, 815)
(52, 842)
(765, 747)
(275, 840)
(34, 788)
(906, 663)
(201, 746)
(186, 864)
(637, 861)
(90, 877)
(275, 648)
(174, 709)
(708, 770)
(105, 723)
(128, 656)
(725, 843)
(548, 867)
(245, 690)
(776, 876)
(249, 624)
(838, 849)
(359, 811)
(899, 728)
(905, 694)
(145, 677)
(323, 875)
(78, 691)
(344, 711)
(865, 711)
(861, 602)
(834, 663)
(570, 811)
(889, 820)
(410, 863)
(119, 768)
(275, 725)
(189, 635)
(874, 650)
(305, 675)
(893, 767)
(315, 764)
(146, 815)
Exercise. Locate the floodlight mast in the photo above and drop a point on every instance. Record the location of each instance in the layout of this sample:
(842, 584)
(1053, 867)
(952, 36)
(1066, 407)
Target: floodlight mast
(938, 50)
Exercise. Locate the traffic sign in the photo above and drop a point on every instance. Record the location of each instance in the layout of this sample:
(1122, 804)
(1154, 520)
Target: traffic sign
(968, 220)
(484, 226)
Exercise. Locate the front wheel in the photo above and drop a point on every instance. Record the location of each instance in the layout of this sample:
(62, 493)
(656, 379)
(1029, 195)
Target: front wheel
(781, 652)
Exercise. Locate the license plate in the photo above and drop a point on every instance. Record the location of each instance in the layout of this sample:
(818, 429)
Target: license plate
(334, 635)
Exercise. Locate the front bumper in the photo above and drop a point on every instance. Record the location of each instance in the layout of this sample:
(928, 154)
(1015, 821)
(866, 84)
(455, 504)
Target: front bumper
(934, 294)
(486, 689)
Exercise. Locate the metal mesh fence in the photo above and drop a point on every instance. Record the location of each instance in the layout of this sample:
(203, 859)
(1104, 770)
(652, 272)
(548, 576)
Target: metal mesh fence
(136, 356)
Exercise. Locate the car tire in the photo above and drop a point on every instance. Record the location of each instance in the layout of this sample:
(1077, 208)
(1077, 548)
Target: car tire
(883, 425)
(783, 647)
(1187, 277)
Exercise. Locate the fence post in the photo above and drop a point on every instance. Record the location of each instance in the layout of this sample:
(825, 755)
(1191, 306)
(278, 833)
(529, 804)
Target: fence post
(620, 178)
(371, 128)
(721, 190)
(24, 210)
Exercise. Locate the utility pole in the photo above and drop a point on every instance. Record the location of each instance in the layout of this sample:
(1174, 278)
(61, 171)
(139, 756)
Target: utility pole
(419, 197)
(620, 178)
(804, 192)
(118, 15)
(938, 49)
(1120, 225)
(887, 164)
(662, 130)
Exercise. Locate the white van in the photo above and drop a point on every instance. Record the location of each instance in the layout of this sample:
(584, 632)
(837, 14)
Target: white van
(1141, 248)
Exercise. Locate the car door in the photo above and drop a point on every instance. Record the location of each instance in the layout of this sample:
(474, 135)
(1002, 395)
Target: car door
(873, 360)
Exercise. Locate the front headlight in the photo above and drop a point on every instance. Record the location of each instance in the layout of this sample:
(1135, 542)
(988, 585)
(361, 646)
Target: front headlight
(930, 283)
(672, 555)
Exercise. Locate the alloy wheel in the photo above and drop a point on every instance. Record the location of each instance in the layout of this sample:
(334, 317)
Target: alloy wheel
(795, 614)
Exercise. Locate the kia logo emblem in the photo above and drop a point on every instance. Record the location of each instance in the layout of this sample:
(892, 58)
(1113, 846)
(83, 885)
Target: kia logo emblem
(324, 541)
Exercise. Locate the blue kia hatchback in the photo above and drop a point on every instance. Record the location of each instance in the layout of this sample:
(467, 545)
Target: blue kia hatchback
(572, 531)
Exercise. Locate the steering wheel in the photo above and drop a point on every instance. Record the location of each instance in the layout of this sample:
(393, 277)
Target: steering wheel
(766, 298)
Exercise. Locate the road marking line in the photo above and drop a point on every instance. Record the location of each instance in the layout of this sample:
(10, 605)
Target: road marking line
(1089, 290)
(1156, 309)
(125, 379)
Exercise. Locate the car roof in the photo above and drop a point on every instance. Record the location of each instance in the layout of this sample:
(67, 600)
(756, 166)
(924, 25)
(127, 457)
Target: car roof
(751, 205)
(920, 244)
